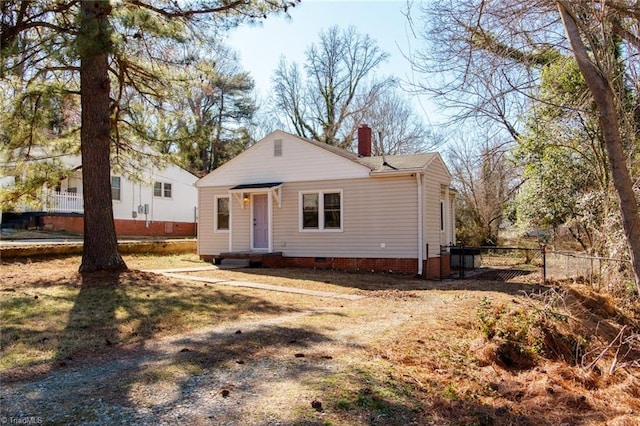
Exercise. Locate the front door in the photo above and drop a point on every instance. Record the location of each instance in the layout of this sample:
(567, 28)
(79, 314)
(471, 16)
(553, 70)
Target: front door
(260, 221)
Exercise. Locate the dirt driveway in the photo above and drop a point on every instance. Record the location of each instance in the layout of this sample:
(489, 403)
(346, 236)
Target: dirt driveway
(267, 369)
(391, 352)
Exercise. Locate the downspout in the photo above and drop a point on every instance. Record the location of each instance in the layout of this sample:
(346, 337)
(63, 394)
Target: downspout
(420, 223)
(270, 220)
(230, 222)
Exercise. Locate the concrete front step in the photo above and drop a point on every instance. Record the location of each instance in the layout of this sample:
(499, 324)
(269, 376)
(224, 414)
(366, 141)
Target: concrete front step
(234, 263)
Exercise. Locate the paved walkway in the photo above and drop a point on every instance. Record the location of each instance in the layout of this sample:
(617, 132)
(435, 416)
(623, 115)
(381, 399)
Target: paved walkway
(177, 273)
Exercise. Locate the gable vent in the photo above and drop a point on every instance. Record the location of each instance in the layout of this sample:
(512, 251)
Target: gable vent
(277, 148)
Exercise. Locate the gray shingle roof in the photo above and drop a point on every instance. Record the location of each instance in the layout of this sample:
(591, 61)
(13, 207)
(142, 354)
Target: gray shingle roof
(377, 164)
(397, 162)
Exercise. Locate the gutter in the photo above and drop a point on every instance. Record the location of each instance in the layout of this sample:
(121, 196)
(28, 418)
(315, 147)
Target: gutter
(402, 172)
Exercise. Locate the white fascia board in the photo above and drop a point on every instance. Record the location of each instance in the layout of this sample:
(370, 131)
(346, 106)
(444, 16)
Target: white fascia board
(403, 172)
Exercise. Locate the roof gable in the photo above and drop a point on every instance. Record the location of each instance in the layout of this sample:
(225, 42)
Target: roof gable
(300, 160)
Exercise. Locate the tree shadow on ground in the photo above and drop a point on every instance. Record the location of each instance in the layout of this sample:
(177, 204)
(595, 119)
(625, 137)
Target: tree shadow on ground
(509, 283)
(108, 355)
(88, 314)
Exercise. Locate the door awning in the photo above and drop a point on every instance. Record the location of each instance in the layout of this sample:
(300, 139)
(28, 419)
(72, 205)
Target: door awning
(241, 192)
(256, 186)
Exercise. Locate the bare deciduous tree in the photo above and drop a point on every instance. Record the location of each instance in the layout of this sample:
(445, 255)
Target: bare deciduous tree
(490, 50)
(337, 85)
(486, 180)
(596, 24)
(399, 129)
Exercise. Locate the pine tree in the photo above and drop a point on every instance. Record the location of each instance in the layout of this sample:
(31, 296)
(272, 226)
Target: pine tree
(103, 53)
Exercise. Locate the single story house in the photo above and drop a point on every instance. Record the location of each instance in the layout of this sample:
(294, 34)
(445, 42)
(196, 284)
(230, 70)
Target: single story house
(303, 203)
(160, 201)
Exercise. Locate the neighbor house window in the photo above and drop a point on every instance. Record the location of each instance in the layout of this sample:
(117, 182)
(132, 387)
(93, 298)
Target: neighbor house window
(115, 188)
(222, 214)
(166, 193)
(321, 211)
(162, 189)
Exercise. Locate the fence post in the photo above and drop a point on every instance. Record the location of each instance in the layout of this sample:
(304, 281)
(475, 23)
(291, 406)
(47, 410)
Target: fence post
(544, 264)
(425, 272)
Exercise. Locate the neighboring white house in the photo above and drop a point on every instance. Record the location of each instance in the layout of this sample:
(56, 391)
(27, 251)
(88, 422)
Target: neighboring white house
(161, 201)
(316, 205)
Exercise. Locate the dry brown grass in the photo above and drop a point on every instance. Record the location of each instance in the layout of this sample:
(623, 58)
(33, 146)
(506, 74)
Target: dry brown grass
(411, 352)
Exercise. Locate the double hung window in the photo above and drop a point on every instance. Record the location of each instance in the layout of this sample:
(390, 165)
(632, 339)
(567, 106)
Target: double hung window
(222, 214)
(321, 211)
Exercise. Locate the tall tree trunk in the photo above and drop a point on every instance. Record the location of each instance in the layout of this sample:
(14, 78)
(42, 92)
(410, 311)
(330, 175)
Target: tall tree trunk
(599, 83)
(100, 251)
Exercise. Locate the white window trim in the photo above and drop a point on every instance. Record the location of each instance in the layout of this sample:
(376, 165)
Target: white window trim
(215, 215)
(321, 227)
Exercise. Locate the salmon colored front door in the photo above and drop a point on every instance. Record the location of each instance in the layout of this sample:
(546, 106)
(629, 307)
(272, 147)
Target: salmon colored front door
(260, 222)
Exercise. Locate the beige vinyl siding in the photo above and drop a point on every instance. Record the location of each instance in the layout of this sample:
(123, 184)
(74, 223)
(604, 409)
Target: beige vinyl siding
(241, 235)
(208, 241)
(435, 176)
(375, 211)
(452, 217)
(299, 161)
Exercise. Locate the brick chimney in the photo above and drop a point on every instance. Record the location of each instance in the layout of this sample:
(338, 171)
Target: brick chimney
(364, 141)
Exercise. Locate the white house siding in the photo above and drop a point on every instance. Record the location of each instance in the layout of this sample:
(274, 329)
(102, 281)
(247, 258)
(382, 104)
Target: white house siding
(180, 207)
(300, 161)
(380, 214)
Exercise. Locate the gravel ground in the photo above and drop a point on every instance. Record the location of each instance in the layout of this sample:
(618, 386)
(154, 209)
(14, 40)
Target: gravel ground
(197, 379)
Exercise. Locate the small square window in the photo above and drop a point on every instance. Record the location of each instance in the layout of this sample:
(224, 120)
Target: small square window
(157, 189)
(167, 190)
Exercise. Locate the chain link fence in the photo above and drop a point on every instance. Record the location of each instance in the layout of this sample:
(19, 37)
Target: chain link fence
(603, 273)
(539, 265)
(490, 262)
